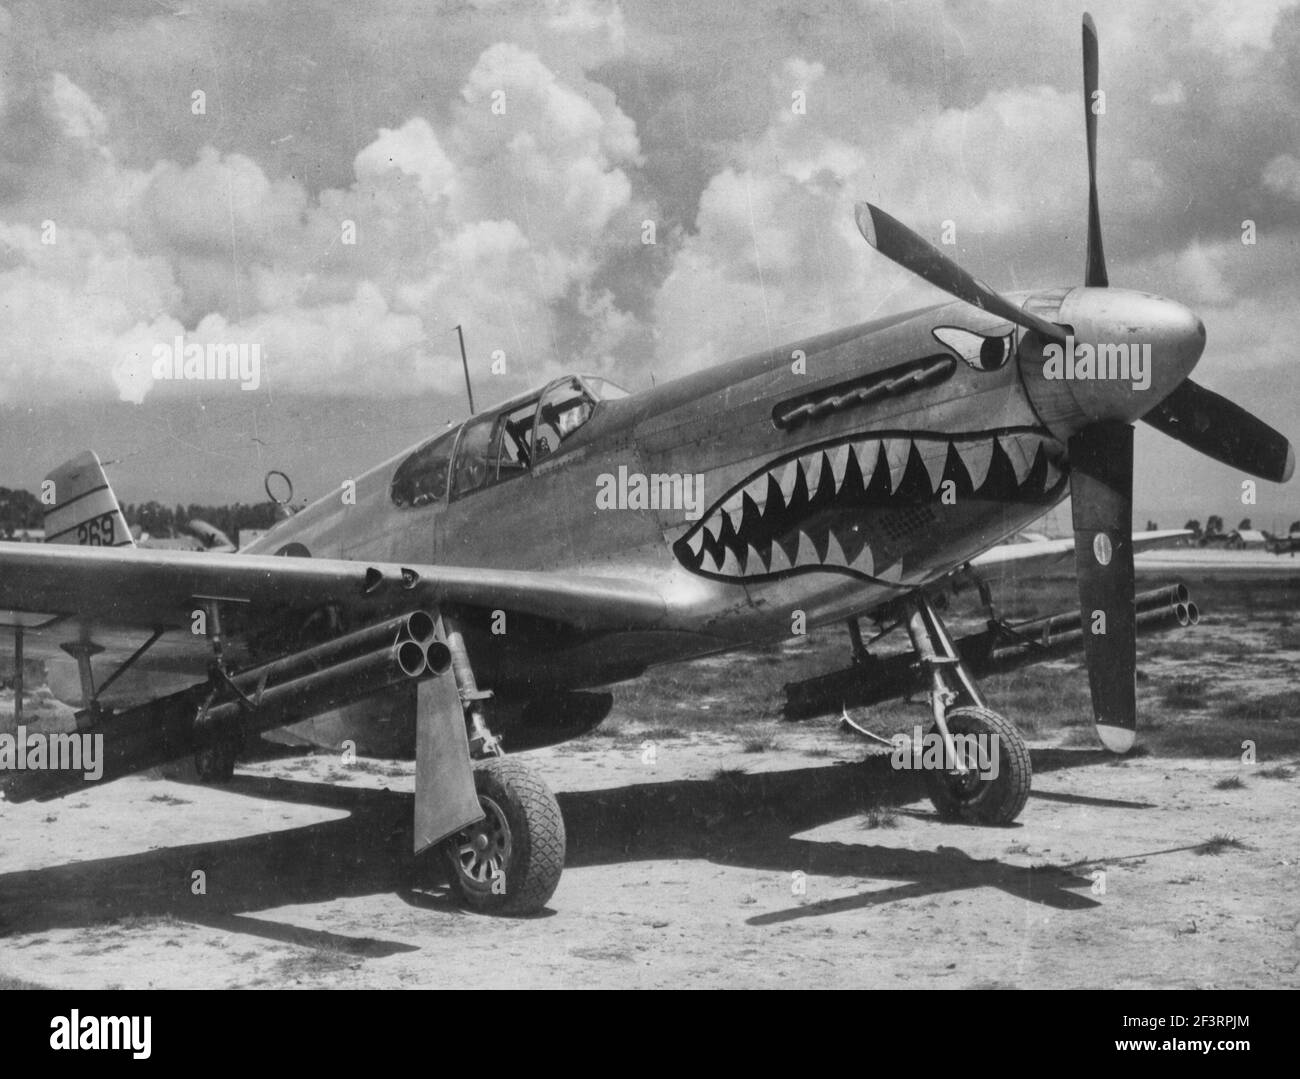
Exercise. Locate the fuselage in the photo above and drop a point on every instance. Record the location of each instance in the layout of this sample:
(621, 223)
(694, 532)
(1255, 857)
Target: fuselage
(791, 488)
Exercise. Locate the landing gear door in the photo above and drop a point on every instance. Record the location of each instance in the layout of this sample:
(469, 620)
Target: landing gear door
(445, 799)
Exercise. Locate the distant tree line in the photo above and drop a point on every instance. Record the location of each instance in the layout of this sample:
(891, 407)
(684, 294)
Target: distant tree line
(19, 510)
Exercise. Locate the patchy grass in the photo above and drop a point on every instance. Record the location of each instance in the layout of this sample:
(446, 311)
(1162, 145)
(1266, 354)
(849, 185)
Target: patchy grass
(137, 922)
(367, 766)
(1286, 637)
(631, 738)
(1217, 844)
(1039, 700)
(607, 953)
(1196, 692)
(169, 800)
(760, 745)
(1186, 694)
(1276, 771)
(1232, 783)
(8, 982)
(1271, 706)
(1195, 643)
(661, 734)
(878, 816)
(312, 964)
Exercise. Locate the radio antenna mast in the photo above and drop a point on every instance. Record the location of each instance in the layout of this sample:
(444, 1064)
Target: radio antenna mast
(469, 390)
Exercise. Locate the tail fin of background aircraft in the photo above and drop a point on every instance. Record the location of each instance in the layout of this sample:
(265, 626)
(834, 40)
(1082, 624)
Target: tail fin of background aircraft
(84, 509)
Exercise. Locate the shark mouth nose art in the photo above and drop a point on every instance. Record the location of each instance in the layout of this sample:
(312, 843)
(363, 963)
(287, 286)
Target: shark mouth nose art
(858, 506)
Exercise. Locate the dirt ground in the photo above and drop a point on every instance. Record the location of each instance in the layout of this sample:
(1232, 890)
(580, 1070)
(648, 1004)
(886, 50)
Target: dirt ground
(683, 871)
(743, 851)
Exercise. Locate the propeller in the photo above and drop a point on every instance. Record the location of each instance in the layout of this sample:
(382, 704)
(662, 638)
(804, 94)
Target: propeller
(1200, 418)
(1101, 500)
(1101, 447)
(1101, 503)
(1094, 274)
(900, 244)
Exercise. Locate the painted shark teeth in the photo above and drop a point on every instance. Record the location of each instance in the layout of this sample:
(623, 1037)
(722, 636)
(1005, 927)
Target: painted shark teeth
(812, 471)
(839, 460)
(834, 552)
(825, 508)
(868, 453)
(807, 553)
(1021, 452)
(779, 563)
(757, 491)
(789, 476)
(935, 459)
(976, 456)
(897, 452)
(734, 508)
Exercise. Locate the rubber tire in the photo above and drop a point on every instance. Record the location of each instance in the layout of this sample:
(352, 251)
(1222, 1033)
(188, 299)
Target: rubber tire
(216, 756)
(994, 801)
(537, 841)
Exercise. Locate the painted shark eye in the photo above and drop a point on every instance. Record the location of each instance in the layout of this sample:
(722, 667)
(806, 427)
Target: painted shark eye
(983, 352)
(994, 353)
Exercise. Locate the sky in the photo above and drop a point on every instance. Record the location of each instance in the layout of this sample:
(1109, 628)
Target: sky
(343, 184)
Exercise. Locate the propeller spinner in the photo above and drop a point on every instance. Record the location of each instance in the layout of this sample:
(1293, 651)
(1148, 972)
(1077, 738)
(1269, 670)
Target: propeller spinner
(1101, 413)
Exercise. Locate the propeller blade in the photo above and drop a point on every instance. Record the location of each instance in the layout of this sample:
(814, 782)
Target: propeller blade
(900, 244)
(1095, 271)
(1200, 418)
(1101, 493)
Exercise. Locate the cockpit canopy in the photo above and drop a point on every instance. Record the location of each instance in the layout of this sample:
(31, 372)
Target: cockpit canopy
(502, 443)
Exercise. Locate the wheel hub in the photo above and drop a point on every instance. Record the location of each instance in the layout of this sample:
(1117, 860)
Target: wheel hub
(483, 850)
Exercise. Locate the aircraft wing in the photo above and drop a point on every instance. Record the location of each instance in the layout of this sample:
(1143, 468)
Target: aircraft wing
(1041, 554)
(116, 597)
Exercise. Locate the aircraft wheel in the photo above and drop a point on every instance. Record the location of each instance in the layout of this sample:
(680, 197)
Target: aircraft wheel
(215, 757)
(509, 862)
(969, 797)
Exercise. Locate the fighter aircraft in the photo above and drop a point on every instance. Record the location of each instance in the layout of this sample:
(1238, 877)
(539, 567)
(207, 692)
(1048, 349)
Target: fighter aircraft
(576, 536)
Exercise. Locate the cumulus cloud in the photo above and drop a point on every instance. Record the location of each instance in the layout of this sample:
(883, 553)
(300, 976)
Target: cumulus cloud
(495, 217)
(774, 254)
(74, 309)
(78, 115)
(496, 178)
(217, 201)
(1282, 176)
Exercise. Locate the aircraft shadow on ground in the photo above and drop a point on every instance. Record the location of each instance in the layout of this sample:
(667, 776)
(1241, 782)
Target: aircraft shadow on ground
(740, 819)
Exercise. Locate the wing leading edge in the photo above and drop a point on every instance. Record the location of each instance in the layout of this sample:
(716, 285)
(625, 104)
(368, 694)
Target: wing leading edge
(146, 588)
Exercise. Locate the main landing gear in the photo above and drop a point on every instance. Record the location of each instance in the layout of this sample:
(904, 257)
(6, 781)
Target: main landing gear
(509, 862)
(984, 774)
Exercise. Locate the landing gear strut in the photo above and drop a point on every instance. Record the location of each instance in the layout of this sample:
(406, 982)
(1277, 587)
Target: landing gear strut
(510, 862)
(217, 745)
(986, 773)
